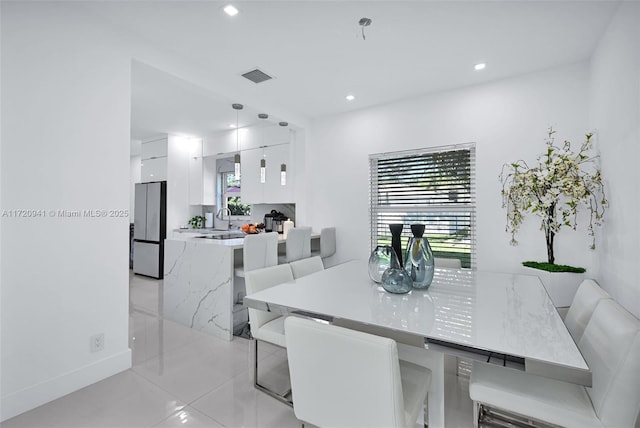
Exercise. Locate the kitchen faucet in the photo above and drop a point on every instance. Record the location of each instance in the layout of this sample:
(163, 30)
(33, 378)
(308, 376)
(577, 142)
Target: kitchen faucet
(220, 215)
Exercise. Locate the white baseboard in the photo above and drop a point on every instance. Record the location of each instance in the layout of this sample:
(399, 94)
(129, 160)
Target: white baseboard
(21, 401)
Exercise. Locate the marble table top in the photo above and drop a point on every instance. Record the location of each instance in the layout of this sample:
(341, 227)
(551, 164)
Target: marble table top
(503, 313)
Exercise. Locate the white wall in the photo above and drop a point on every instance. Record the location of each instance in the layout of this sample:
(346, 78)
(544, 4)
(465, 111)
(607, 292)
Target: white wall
(178, 209)
(134, 177)
(507, 119)
(615, 114)
(65, 146)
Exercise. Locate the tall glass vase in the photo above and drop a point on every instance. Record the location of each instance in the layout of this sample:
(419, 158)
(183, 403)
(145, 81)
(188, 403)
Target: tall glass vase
(419, 262)
(395, 279)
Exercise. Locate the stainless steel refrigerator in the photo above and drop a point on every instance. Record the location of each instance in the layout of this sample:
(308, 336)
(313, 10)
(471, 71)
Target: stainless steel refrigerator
(149, 229)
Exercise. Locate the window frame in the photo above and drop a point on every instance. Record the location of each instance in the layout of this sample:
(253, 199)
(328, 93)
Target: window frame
(224, 195)
(462, 210)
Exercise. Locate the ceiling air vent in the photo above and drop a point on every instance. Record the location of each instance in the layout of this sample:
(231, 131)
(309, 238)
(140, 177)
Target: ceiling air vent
(256, 76)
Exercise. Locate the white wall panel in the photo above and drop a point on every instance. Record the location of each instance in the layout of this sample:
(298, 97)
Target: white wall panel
(615, 117)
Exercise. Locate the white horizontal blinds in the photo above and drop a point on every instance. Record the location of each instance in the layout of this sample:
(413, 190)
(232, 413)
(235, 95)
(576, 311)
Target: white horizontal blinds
(434, 187)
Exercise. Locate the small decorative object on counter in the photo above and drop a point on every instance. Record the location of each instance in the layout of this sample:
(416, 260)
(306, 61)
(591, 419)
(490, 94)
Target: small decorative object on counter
(286, 226)
(252, 228)
(395, 279)
(419, 261)
(197, 222)
(379, 261)
(208, 220)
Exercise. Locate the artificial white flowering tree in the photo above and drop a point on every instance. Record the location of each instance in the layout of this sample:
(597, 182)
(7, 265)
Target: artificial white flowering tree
(554, 190)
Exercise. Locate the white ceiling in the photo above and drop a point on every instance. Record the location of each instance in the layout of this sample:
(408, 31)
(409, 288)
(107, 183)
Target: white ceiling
(317, 54)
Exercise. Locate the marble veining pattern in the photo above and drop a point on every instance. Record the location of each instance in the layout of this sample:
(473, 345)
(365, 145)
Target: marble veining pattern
(198, 286)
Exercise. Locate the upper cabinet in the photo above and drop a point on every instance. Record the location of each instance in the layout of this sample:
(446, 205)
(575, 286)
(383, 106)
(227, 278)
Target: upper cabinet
(272, 190)
(209, 178)
(273, 143)
(154, 160)
(202, 176)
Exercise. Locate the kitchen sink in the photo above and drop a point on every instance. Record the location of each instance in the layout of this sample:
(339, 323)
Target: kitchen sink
(223, 236)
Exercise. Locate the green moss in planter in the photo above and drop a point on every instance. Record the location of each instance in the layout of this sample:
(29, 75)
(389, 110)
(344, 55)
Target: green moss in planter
(553, 268)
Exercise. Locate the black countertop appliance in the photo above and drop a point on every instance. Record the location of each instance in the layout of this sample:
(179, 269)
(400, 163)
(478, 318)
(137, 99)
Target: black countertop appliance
(273, 221)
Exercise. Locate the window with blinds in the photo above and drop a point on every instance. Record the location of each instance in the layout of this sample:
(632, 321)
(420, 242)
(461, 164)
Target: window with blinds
(434, 187)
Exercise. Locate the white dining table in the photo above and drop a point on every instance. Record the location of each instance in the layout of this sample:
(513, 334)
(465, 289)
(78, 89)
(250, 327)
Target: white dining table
(506, 318)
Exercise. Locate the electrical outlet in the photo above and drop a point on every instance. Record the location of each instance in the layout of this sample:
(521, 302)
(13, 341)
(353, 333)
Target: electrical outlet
(96, 342)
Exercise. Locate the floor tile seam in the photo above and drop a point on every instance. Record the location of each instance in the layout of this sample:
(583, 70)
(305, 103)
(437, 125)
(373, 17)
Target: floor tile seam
(169, 393)
(149, 381)
(173, 395)
(214, 389)
(144, 311)
(219, 422)
(189, 402)
(173, 347)
(185, 408)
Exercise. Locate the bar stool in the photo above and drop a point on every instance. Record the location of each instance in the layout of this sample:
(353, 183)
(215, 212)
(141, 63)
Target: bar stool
(298, 245)
(327, 243)
(258, 251)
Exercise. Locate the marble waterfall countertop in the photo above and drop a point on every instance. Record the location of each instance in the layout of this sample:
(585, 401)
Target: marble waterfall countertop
(198, 284)
(199, 280)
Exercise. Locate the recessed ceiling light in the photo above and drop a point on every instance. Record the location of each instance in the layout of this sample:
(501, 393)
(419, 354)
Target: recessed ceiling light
(230, 10)
(480, 66)
(232, 125)
(350, 97)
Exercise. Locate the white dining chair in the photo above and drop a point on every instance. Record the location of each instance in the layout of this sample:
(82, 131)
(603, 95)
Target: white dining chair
(306, 266)
(298, 244)
(327, 243)
(347, 378)
(447, 263)
(266, 326)
(584, 303)
(611, 347)
(259, 250)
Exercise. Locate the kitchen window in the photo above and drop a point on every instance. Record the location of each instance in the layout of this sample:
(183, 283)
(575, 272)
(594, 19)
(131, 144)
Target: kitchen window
(231, 195)
(434, 187)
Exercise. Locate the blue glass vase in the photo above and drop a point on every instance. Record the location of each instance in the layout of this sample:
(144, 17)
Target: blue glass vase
(419, 262)
(379, 261)
(395, 279)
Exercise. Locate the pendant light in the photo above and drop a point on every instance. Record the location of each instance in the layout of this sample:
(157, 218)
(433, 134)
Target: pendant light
(283, 167)
(263, 161)
(236, 158)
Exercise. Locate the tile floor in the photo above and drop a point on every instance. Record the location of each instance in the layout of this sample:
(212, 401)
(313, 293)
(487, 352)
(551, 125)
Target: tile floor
(184, 378)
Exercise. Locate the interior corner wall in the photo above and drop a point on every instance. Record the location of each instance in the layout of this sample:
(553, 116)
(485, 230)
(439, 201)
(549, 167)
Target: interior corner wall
(507, 119)
(178, 209)
(65, 158)
(134, 177)
(615, 117)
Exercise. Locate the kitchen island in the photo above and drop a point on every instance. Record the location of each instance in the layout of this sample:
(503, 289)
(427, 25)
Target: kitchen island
(199, 282)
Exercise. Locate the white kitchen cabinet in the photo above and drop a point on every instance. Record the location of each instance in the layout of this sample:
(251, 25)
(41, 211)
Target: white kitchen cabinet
(271, 191)
(153, 170)
(154, 160)
(195, 181)
(252, 189)
(209, 177)
(154, 149)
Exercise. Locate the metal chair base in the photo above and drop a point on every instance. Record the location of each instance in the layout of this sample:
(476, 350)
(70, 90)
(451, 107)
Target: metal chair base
(485, 416)
(284, 398)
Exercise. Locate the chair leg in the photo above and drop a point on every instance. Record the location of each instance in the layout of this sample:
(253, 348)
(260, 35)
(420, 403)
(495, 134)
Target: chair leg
(283, 399)
(426, 411)
(476, 414)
